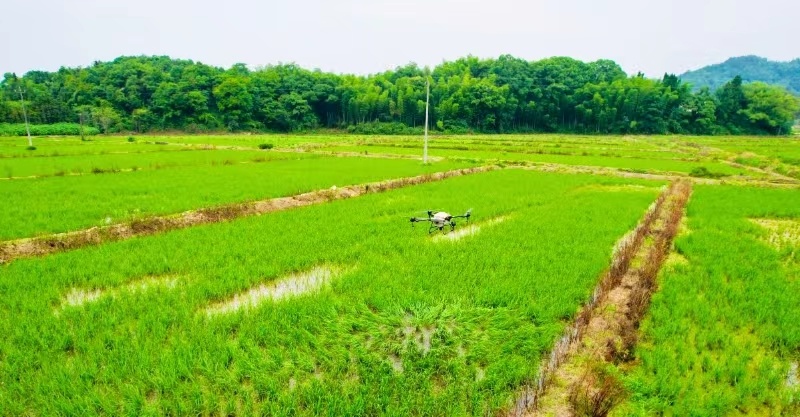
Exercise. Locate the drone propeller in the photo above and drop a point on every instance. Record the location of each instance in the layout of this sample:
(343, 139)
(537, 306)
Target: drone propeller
(419, 219)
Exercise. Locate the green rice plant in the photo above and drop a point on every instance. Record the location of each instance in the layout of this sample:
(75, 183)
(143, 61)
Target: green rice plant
(82, 164)
(723, 330)
(413, 326)
(61, 146)
(59, 204)
(640, 164)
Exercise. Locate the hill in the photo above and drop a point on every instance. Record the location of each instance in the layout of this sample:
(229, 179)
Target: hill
(750, 68)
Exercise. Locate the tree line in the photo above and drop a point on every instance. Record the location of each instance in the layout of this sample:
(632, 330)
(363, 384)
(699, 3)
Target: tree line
(507, 94)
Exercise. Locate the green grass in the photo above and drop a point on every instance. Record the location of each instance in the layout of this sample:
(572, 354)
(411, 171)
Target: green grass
(251, 141)
(22, 129)
(718, 340)
(494, 303)
(116, 162)
(558, 145)
(724, 327)
(57, 204)
(636, 164)
(61, 146)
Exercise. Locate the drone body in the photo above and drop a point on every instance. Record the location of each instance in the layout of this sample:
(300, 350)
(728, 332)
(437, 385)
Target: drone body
(440, 219)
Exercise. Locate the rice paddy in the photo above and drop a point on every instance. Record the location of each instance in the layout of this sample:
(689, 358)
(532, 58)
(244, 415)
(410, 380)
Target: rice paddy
(342, 308)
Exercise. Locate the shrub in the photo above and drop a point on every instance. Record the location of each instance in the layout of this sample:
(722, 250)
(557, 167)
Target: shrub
(56, 129)
(703, 172)
(31, 148)
(266, 146)
(131, 139)
(384, 128)
(597, 392)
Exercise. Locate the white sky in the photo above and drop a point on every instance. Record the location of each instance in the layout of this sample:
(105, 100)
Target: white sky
(367, 36)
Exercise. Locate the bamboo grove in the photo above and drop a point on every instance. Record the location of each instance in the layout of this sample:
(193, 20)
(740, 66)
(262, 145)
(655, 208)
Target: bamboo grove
(507, 94)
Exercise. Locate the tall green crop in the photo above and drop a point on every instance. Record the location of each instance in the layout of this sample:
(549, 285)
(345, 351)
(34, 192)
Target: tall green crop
(59, 204)
(411, 325)
(725, 325)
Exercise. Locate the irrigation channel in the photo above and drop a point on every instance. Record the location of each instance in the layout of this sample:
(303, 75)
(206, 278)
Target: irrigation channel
(574, 380)
(60, 242)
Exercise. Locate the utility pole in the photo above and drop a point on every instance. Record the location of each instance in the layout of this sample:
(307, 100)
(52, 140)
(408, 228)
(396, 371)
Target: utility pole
(427, 104)
(80, 117)
(25, 115)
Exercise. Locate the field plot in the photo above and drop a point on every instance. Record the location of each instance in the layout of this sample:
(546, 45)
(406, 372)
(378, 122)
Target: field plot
(342, 308)
(60, 146)
(336, 309)
(723, 334)
(253, 141)
(778, 155)
(637, 154)
(59, 204)
(20, 168)
(633, 164)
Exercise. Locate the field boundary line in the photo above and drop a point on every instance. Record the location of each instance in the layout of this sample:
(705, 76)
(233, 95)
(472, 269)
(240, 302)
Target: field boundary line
(728, 157)
(575, 169)
(60, 242)
(780, 178)
(104, 171)
(617, 172)
(344, 154)
(604, 330)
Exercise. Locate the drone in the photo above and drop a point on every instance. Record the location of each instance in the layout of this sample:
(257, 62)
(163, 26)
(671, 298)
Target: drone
(440, 219)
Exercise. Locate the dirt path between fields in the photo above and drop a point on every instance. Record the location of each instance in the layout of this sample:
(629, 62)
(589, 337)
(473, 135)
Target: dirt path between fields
(666, 176)
(343, 154)
(44, 245)
(779, 178)
(574, 379)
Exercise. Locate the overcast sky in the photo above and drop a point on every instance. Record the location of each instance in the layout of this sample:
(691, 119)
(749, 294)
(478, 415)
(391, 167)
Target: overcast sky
(367, 36)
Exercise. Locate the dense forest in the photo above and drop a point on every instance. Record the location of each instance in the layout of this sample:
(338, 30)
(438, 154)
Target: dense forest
(751, 69)
(507, 94)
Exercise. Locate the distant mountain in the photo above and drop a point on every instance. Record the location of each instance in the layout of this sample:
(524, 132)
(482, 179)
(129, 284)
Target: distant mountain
(750, 68)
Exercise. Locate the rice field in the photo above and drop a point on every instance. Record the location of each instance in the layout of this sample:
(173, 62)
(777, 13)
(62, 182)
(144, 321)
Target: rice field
(341, 307)
(69, 203)
(723, 336)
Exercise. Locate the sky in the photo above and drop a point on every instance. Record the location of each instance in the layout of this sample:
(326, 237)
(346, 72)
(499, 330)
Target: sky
(369, 36)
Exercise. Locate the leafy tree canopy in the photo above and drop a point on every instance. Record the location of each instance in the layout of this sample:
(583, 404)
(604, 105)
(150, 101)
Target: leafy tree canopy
(506, 94)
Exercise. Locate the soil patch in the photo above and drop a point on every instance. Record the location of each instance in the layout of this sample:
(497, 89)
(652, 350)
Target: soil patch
(290, 286)
(397, 363)
(78, 297)
(783, 233)
(469, 230)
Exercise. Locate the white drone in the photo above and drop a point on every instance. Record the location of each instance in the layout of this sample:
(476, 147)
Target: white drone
(440, 219)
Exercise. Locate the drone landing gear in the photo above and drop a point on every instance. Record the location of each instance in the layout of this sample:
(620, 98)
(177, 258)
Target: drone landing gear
(433, 227)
